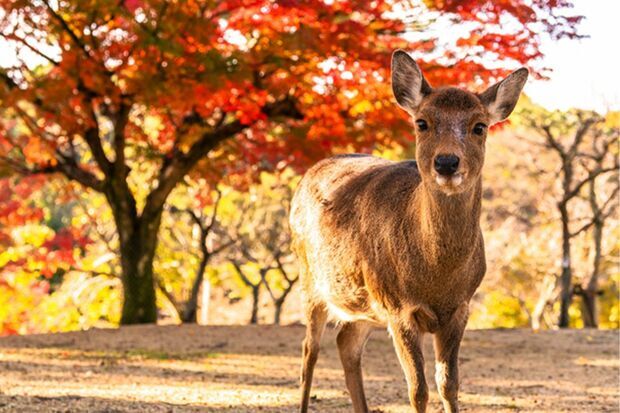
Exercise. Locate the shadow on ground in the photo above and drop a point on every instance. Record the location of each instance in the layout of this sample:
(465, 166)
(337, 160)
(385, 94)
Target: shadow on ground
(255, 368)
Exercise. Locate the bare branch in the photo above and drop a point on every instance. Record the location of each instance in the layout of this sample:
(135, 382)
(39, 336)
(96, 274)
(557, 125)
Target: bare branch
(93, 140)
(33, 49)
(263, 276)
(242, 275)
(223, 247)
(580, 134)
(591, 176)
(213, 218)
(601, 213)
(169, 296)
(92, 272)
(553, 142)
(289, 280)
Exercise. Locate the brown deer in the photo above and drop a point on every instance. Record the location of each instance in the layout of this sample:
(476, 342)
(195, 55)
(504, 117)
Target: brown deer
(399, 244)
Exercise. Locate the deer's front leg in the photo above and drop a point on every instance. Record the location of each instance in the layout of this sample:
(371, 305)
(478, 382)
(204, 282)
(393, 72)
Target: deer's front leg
(408, 344)
(447, 342)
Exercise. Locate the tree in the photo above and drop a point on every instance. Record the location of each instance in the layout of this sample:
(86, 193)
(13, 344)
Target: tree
(253, 283)
(603, 202)
(54, 275)
(102, 87)
(285, 282)
(263, 239)
(564, 134)
(523, 226)
(206, 228)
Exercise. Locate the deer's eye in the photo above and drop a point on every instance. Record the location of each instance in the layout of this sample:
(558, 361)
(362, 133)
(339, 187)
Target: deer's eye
(479, 128)
(422, 125)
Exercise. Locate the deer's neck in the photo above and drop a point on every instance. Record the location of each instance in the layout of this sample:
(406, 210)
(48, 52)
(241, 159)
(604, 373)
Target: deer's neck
(449, 225)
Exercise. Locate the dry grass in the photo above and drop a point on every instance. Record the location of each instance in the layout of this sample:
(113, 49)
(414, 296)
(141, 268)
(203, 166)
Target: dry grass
(248, 369)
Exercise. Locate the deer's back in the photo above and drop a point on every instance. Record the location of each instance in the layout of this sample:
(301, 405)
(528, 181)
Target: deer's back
(346, 221)
(337, 194)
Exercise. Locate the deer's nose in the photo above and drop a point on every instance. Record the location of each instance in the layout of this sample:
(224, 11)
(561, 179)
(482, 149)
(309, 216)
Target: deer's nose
(446, 164)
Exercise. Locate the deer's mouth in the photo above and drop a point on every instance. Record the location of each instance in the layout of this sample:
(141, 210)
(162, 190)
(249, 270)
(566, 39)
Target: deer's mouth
(451, 182)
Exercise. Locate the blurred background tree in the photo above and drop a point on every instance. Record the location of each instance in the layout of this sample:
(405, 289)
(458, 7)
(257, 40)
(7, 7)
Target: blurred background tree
(586, 151)
(263, 240)
(540, 215)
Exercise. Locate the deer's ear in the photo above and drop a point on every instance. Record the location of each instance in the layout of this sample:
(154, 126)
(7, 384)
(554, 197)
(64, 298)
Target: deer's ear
(501, 98)
(408, 83)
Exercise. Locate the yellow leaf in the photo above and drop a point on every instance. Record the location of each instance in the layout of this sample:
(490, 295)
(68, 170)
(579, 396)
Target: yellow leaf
(361, 107)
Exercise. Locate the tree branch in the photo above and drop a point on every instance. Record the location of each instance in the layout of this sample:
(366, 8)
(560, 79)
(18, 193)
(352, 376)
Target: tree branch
(600, 213)
(121, 119)
(72, 170)
(263, 276)
(213, 218)
(580, 134)
(169, 296)
(243, 277)
(65, 26)
(178, 164)
(591, 176)
(65, 165)
(93, 140)
(33, 49)
(552, 142)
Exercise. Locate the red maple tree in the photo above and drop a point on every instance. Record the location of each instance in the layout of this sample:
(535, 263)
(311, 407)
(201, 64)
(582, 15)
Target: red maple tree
(234, 86)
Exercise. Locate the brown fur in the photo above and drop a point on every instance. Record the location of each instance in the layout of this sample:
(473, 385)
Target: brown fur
(384, 242)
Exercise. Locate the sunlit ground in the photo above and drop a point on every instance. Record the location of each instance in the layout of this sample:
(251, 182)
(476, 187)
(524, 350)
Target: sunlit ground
(245, 369)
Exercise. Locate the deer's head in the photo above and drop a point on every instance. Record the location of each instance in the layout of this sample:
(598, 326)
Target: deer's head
(451, 124)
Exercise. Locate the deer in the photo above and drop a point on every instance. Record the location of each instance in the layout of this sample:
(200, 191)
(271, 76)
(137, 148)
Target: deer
(399, 244)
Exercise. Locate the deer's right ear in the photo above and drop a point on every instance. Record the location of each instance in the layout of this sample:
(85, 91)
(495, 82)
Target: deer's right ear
(408, 83)
(501, 98)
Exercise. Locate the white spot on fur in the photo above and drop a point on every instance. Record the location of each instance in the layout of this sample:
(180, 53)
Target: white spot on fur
(322, 288)
(338, 314)
(457, 179)
(441, 373)
(457, 132)
(441, 180)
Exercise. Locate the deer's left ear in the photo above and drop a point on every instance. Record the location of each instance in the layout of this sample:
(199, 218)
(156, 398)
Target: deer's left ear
(501, 98)
(408, 83)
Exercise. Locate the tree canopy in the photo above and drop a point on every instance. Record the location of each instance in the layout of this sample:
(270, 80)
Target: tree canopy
(128, 97)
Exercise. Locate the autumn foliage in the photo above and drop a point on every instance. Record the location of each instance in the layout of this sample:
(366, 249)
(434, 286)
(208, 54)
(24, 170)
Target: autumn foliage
(129, 98)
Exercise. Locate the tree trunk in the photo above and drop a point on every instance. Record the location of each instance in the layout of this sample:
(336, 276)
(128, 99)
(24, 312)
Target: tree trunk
(205, 299)
(590, 293)
(189, 314)
(588, 309)
(255, 295)
(277, 313)
(566, 294)
(137, 252)
(138, 240)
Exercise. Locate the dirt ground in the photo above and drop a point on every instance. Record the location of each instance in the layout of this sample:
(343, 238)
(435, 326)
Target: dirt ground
(248, 369)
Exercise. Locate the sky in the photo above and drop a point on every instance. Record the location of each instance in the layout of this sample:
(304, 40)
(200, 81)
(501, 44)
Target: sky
(586, 72)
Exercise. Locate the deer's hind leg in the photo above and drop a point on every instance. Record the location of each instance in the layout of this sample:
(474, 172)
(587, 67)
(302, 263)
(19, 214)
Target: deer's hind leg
(351, 342)
(316, 318)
